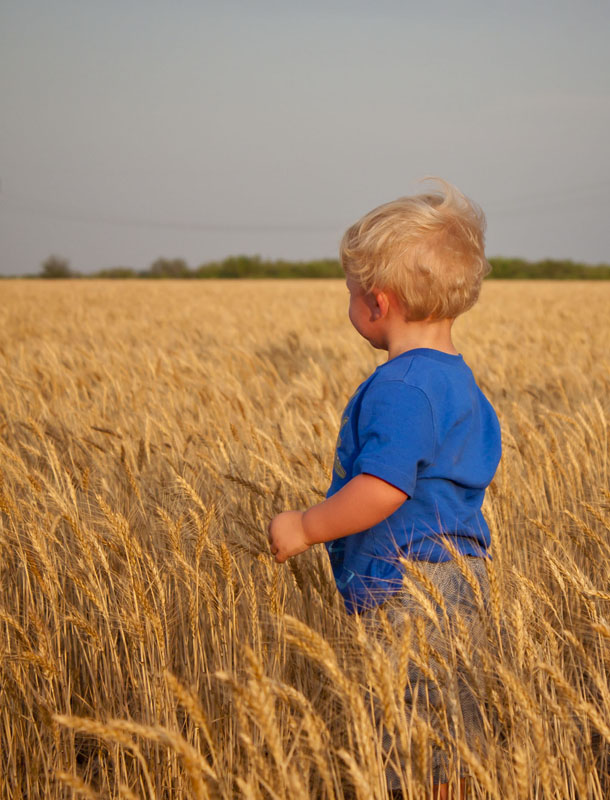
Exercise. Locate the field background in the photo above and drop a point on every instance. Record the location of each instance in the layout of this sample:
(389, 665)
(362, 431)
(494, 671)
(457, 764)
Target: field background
(150, 645)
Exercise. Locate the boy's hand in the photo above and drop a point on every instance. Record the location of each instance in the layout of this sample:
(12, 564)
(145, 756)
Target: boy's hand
(286, 535)
(363, 502)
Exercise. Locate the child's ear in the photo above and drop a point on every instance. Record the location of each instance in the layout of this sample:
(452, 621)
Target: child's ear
(381, 306)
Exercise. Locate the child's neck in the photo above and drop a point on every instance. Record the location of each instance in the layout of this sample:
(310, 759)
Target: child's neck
(433, 334)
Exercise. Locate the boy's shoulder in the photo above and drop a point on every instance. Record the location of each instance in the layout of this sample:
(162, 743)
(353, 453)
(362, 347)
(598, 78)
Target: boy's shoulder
(423, 368)
(421, 378)
(428, 385)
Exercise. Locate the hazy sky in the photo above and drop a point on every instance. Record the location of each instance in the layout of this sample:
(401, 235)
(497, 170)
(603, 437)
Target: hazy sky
(131, 130)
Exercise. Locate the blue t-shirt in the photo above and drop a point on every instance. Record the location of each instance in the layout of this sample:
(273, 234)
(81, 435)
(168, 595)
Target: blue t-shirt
(421, 423)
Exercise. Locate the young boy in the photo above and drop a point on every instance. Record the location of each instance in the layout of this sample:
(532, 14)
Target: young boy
(419, 442)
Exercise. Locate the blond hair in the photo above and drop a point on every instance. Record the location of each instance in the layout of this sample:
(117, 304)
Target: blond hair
(428, 249)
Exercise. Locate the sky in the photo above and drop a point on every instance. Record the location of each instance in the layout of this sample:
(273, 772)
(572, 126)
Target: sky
(198, 129)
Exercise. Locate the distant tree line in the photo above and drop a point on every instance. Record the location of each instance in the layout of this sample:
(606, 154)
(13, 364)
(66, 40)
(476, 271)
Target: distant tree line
(256, 267)
(549, 269)
(232, 267)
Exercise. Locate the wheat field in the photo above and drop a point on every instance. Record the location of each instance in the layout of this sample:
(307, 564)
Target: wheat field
(151, 646)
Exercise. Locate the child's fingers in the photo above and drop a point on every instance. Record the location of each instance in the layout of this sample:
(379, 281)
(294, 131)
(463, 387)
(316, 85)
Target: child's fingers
(273, 547)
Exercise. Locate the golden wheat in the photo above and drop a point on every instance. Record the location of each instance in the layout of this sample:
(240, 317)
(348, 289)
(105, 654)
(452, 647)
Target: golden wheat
(151, 647)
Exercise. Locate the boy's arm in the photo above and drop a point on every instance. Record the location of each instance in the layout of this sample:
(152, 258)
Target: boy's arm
(361, 503)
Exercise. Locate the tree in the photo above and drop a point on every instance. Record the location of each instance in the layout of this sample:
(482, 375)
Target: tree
(169, 268)
(56, 267)
(116, 272)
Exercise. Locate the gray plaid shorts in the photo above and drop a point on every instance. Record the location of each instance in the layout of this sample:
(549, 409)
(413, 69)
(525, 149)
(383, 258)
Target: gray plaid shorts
(441, 689)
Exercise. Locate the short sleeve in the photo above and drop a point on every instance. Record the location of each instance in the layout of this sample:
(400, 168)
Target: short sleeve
(395, 432)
